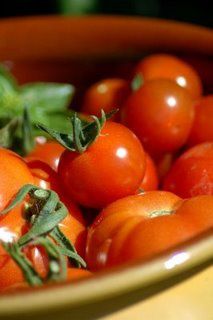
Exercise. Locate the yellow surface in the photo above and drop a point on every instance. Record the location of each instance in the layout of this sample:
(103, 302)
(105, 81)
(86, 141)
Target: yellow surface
(191, 299)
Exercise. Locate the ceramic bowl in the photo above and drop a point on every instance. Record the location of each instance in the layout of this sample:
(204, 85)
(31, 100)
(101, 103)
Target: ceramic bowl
(83, 50)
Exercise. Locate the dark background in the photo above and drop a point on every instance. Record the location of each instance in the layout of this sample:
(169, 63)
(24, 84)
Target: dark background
(198, 11)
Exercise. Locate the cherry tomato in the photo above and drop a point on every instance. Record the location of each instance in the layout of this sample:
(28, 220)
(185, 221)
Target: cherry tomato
(49, 152)
(165, 66)
(161, 115)
(73, 225)
(44, 176)
(150, 180)
(202, 129)
(107, 94)
(13, 225)
(111, 168)
(124, 214)
(14, 174)
(192, 173)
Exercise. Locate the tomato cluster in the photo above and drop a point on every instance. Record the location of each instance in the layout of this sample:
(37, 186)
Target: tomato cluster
(147, 171)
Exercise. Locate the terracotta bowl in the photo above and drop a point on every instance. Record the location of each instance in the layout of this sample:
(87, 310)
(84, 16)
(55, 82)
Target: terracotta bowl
(80, 51)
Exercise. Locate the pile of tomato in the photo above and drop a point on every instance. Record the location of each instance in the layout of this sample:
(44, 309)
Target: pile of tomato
(142, 186)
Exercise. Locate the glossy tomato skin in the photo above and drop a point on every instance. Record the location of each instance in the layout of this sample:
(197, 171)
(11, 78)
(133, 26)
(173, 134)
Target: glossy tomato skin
(111, 168)
(138, 228)
(192, 173)
(48, 152)
(161, 115)
(13, 225)
(202, 129)
(150, 180)
(73, 225)
(152, 237)
(107, 94)
(44, 176)
(164, 66)
(198, 210)
(113, 225)
(14, 174)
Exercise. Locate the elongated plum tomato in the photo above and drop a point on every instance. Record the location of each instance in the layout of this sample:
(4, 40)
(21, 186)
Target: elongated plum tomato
(117, 221)
(48, 152)
(202, 129)
(192, 173)
(14, 174)
(165, 66)
(161, 115)
(111, 168)
(107, 94)
(150, 179)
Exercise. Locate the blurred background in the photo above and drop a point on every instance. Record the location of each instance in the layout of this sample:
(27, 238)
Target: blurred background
(197, 11)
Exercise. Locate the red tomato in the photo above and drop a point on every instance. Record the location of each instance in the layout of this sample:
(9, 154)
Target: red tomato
(118, 220)
(111, 168)
(150, 180)
(48, 152)
(164, 66)
(14, 174)
(137, 228)
(74, 274)
(107, 94)
(202, 129)
(44, 176)
(73, 225)
(192, 173)
(198, 210)
(13, 225)
(161, 115)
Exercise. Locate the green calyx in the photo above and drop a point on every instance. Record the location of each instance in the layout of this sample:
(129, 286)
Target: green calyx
(82, 135)
(137, 82)
(44, 212)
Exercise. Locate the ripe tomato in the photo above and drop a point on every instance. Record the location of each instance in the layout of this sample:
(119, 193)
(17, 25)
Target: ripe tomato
(74, 274)
(73, 225)
(192, 173)
(161, 115)
(14, 174)
(165, 66)
(111, 168)
(150, 179)
(48, 152)
(44, 176)
(118, 220)
(107, 94)
(202, 129)
(198, 210)
(13, 225)
(157, 221)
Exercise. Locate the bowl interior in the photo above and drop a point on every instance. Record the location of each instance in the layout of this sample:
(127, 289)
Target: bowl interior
(82, 51)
